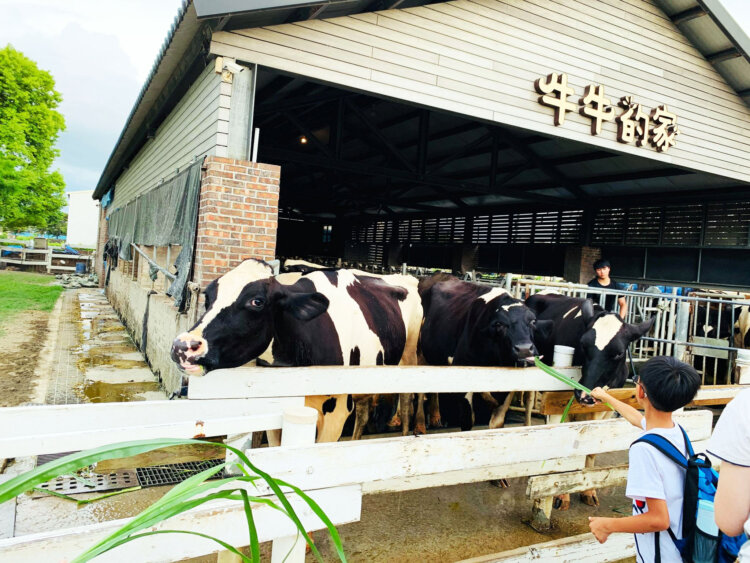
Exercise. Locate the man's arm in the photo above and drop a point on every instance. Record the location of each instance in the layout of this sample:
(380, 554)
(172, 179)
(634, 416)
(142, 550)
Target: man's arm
(632, 415)
(732, 502)
(655, 520)
(623, 307)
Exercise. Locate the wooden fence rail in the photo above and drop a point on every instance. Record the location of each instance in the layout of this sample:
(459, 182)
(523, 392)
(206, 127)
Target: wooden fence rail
(336, 474)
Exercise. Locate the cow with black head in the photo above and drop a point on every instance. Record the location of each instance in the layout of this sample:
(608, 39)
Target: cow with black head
(471, 324)
(343, 317)
(601, 342)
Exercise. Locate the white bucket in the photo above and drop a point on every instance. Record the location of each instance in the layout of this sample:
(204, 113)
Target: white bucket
(743, 357)
(563, 357)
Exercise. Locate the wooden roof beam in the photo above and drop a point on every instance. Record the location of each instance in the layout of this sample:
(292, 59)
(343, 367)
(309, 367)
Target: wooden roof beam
(687, 15)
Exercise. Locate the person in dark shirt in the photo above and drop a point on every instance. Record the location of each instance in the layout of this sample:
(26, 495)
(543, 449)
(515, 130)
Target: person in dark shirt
(602, 268)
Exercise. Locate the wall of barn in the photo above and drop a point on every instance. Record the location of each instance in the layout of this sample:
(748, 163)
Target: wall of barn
(198, 125)
(480, 58)
(152, 321)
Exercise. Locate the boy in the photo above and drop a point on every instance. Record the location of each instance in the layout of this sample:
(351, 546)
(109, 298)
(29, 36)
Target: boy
(655, 483)
(602, 269)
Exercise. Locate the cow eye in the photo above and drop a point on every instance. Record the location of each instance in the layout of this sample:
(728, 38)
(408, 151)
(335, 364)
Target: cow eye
(256, 303)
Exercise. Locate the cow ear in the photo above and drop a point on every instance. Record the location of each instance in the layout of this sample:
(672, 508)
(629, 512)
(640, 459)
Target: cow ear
(587, 310)
(543, 330)
(304, 306)
(641, 329)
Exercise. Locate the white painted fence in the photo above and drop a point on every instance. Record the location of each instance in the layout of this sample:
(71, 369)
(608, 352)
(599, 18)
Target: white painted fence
(335, 474)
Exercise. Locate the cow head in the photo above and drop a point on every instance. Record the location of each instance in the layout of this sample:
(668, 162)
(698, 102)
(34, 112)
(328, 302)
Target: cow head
(242, 307)
(509, 328)
(604, 347)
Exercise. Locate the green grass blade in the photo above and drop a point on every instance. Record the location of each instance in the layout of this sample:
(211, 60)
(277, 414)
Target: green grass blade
(107, 495)
(144, 521)
(282, 498)
(323, 517)
(254, 544)
(70, 463)
(166, 506)
(564, 378)
(223, 544)
(567, 408)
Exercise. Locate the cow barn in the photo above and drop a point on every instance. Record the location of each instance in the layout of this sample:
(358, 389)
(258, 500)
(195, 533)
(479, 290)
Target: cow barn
(526, 136)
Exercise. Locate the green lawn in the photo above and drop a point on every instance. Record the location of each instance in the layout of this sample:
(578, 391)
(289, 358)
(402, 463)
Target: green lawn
(21, 291)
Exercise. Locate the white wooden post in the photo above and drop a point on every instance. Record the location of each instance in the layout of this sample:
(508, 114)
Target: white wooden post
(298, 430)
(541, 512)
(681, 330)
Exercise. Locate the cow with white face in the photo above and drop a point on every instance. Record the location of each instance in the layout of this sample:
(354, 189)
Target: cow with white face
(601, 342)
(343, 317)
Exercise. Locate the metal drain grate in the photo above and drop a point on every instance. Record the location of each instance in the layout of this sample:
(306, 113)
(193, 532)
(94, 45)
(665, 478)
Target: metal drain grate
(99, 482)
(175, 472)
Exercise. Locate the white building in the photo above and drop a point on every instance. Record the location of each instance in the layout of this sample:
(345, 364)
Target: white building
(83, 219)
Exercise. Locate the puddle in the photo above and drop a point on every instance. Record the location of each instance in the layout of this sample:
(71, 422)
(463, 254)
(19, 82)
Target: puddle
(100, 392)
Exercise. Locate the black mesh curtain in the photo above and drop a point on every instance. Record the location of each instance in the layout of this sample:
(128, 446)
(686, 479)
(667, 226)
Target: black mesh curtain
(165, 215)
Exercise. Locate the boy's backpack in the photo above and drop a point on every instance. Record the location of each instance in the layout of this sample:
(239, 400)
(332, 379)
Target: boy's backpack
(696, 546)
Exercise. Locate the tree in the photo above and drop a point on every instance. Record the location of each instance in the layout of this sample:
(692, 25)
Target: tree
(31, 196)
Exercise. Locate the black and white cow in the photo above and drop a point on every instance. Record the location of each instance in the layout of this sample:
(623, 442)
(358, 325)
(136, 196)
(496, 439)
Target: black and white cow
(600, 340)
(343, 317)
(470, 324)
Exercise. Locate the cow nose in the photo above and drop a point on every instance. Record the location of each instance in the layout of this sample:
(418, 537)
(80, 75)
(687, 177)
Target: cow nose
(523, 350)
(189, 346)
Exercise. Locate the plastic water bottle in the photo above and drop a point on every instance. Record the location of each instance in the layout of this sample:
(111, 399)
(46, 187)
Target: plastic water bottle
(705, 518)
(707, 535)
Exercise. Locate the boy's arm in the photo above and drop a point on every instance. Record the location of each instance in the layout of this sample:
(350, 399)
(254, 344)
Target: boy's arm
(655, 520)
(632, 415)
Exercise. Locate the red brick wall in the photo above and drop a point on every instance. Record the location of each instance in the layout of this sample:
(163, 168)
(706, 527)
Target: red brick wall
(101, 240)
(579, 263)
(237, 216)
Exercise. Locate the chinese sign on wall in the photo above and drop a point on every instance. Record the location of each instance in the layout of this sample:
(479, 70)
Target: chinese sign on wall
(635, 125)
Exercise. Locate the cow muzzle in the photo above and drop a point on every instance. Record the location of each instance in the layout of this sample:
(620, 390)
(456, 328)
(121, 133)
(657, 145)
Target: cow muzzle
(524, 353)
(584, 398)
(187, 349)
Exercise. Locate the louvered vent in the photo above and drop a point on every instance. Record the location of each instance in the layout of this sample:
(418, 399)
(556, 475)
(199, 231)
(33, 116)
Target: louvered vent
(642, 226)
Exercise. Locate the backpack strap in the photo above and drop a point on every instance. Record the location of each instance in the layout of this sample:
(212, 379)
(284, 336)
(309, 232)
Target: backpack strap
(666, 447)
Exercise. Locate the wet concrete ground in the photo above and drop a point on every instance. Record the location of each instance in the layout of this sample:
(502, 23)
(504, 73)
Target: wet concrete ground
(96, 361)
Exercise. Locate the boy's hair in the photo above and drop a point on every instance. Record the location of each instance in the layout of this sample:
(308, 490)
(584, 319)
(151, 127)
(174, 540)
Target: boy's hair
(602, 263)
(669, 383)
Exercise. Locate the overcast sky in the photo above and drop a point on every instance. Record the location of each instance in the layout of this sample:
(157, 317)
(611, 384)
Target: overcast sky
(100, 53)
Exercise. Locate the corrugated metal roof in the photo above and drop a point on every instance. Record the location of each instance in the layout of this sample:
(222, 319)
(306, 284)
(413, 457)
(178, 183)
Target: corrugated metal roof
(713, 31)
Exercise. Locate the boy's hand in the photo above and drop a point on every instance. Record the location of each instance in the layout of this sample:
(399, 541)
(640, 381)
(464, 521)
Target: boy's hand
(599, 528)
(600, 394)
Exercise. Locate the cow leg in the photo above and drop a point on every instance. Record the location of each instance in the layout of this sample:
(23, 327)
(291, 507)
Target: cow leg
(273, 437)
(361, 416)
(590, 497)
(405, 406)
(420, 426)
(529, 396)
(497, 420)
(466, 411)
(433, 407)
(562, 502)
(333, 411)
(395, 420)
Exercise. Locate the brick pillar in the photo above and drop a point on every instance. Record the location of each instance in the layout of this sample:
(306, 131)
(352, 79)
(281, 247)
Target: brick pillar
(237, 217)
(579, 263)
(101, 240)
